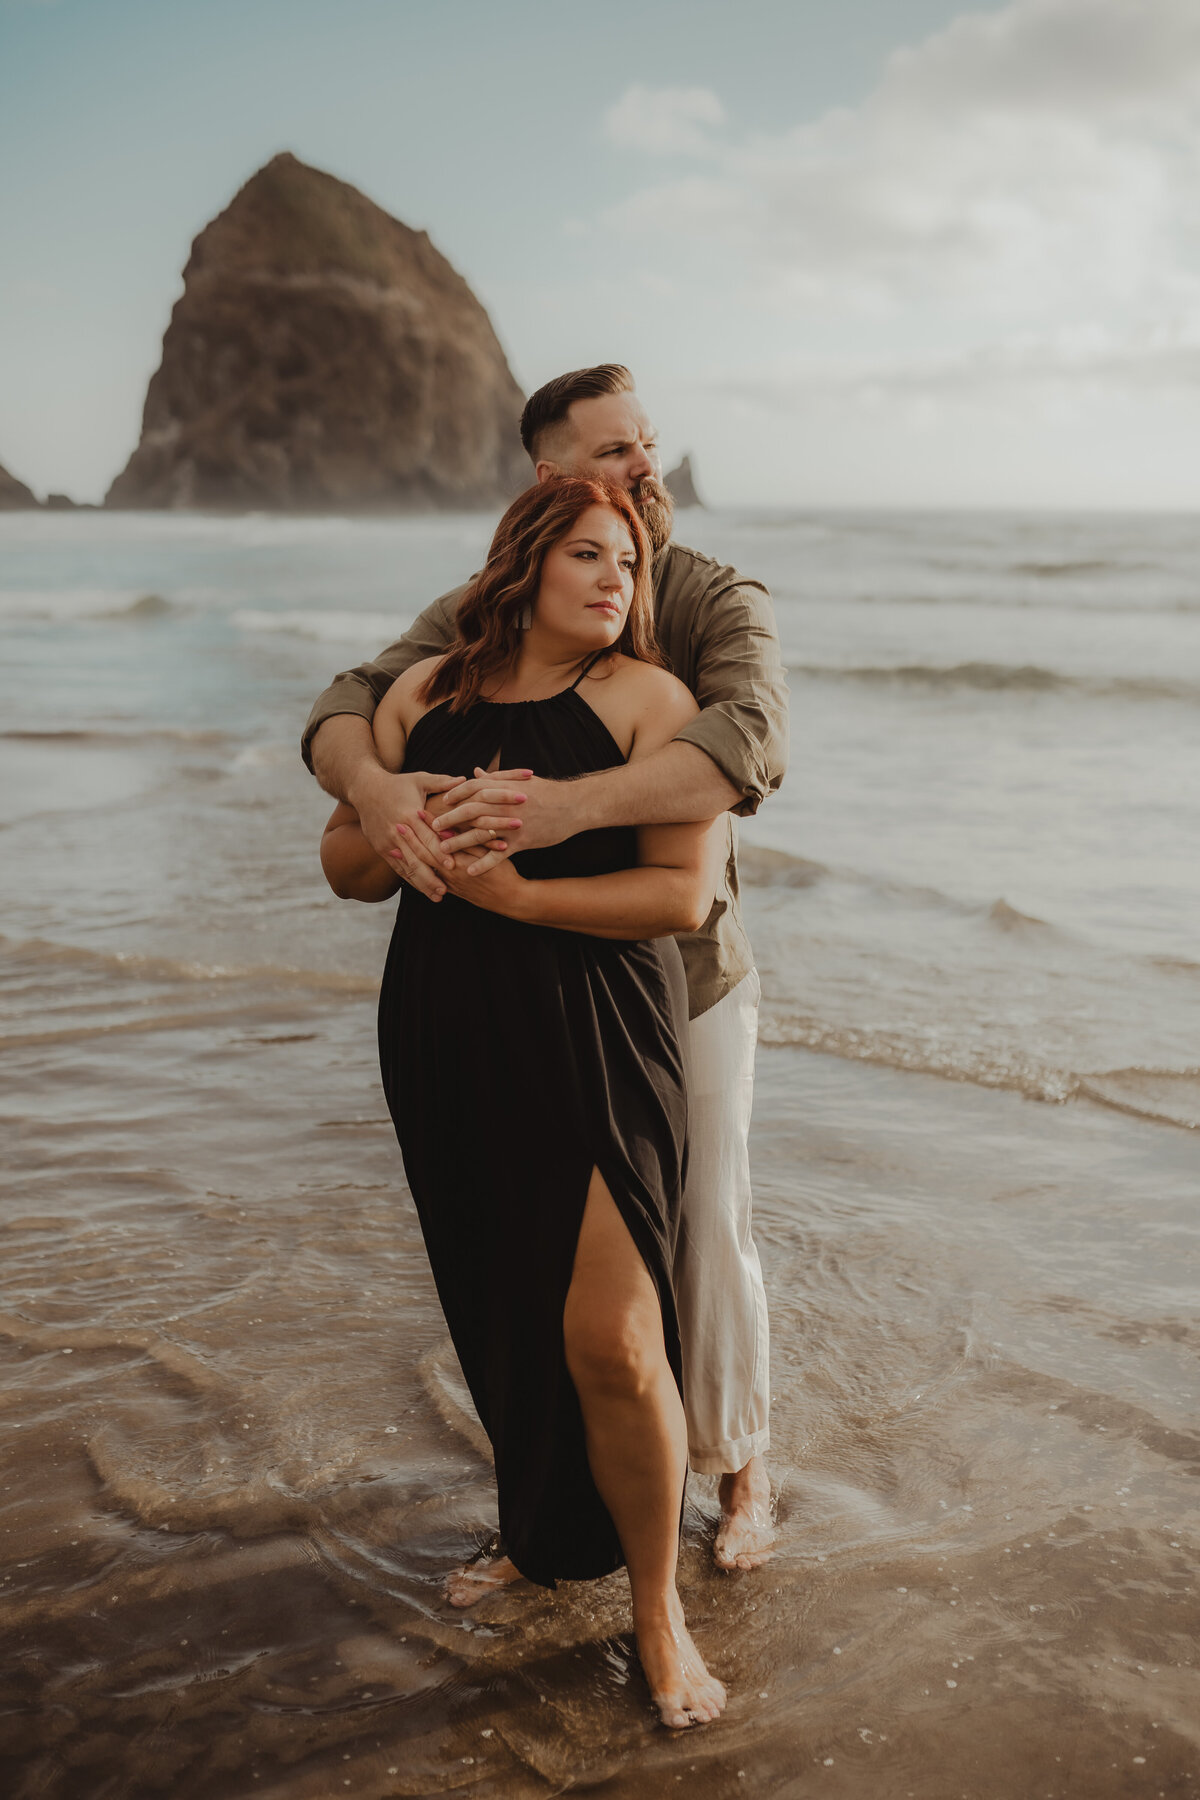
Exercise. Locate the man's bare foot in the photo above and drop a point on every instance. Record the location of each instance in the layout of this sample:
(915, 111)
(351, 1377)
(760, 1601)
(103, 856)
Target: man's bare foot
(680, 1685)
(481, 1574)
(746, 1535)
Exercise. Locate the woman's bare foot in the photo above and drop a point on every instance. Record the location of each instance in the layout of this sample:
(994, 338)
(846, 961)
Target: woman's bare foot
(746, 1535)
(680, 1685)
(482, 1574)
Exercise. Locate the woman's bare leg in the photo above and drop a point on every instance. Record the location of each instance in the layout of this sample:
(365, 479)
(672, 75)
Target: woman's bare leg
(637, 1446)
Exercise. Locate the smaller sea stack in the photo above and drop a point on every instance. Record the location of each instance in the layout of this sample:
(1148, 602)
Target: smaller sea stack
(681, 485)
(14, 495)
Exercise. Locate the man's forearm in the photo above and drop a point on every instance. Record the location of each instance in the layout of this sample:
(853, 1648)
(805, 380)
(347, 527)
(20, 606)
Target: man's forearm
(389, 806)
(678, 785)
(352, 869)
(342, 750)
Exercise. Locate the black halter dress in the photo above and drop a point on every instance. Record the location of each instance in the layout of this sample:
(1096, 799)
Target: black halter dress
(515, 1059)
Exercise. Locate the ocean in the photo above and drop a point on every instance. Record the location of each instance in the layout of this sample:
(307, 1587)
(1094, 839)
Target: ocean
(227, 1384)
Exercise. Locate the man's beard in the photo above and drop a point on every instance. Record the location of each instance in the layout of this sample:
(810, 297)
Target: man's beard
(656, 510)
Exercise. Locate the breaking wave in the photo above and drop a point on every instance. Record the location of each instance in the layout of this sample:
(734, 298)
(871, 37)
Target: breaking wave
(84, 603)
(1061, 600)
(992, 677)
(1054, 570)
(362, 629)
(987, 1020)
(1163, 1096)
(763, 867)
(169, 968)
(782, 1027)
(136, 735)
(147, 606)
(1159, 1096)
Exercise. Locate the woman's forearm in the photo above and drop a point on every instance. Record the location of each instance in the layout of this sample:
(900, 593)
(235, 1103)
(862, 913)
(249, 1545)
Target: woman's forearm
(628, 903)
(352, 869)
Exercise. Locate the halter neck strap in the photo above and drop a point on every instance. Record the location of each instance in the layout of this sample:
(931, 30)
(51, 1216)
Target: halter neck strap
(587, 668)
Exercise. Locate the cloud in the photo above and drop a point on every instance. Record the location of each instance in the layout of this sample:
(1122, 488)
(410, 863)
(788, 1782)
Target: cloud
(1037, 55)
(1034, 169)
(1018, 369)
(664, 121)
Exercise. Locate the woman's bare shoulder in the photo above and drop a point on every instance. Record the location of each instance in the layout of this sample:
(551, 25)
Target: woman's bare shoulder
(416, 675)
(648, 686)
(642, 705)
(401, 697)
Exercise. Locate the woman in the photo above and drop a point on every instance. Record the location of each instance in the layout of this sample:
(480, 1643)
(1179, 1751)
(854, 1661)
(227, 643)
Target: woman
(529, 1043)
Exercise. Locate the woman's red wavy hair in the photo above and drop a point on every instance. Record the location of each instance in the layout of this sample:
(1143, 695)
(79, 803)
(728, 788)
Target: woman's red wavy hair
(488, 621)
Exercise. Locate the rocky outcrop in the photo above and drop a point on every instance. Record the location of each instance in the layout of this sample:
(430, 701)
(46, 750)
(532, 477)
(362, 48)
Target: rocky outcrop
(324, 357)
(681, 485)
(14, 495)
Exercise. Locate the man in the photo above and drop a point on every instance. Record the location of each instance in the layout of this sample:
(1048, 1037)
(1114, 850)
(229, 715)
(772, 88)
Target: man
(718, 634)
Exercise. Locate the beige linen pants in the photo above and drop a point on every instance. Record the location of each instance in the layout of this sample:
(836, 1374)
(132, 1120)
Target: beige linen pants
(718, 1277)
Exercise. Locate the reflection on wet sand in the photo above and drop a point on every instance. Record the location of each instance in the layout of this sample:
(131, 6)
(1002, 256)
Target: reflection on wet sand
(235, 1454)
(240, 1456)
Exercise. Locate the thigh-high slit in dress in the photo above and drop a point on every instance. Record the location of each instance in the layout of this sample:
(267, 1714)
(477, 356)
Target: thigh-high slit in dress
(516, 1059)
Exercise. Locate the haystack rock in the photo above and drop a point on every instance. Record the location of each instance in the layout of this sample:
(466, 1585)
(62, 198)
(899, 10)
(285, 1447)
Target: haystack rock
(681, 485)
(14, 495)
(323, 357)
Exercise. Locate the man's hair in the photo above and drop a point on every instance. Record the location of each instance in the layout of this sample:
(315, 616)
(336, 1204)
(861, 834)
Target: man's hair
(550, 405)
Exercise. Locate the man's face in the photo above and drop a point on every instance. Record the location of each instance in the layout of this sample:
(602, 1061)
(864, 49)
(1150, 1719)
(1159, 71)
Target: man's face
(611, 436)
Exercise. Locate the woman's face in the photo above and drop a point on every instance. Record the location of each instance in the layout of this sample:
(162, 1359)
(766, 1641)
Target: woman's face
(587, 583)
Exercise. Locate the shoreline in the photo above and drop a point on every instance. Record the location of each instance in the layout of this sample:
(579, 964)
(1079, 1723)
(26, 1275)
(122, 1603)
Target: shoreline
(251, 1515)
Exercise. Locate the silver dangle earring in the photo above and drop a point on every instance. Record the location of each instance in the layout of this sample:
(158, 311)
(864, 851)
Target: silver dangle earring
(526, 615)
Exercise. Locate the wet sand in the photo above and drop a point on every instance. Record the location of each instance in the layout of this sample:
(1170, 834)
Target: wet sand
(237, 1458)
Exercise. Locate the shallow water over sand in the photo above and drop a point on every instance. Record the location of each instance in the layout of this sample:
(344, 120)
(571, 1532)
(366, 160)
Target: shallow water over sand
(236, 1455)
(244, 1460)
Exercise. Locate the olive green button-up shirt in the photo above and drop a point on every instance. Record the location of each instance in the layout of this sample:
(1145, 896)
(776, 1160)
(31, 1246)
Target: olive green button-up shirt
(717, 632)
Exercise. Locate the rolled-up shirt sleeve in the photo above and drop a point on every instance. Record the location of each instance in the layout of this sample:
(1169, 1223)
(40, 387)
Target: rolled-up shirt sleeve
(740, 684)
(360, 690)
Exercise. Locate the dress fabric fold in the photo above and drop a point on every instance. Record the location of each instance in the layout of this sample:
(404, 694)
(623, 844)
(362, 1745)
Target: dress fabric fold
(515, 1059)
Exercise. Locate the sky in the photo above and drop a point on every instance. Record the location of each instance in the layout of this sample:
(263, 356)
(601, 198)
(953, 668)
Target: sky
(857, 252)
